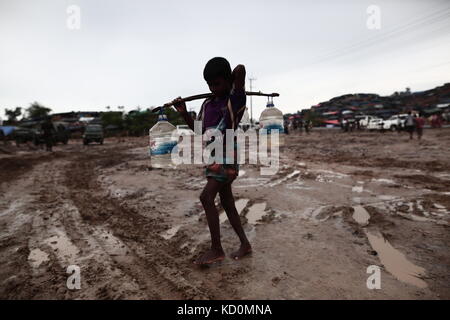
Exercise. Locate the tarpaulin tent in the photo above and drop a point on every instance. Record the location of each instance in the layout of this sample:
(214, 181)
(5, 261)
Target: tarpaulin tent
(432, 111)
(7, 130)
(331, 121)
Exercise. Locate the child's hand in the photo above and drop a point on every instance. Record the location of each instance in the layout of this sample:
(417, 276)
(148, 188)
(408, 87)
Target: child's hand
(180, 105)
(238, 76)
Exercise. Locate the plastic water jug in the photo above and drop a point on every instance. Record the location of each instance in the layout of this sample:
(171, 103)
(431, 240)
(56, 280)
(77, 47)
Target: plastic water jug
(272, 119)
(162, 143)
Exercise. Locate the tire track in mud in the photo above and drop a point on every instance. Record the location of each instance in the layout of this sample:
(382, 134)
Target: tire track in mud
(14, 167)
(23, 219)
(153, 262)
(70, 219)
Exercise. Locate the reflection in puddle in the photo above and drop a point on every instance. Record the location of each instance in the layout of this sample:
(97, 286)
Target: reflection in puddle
(256, 212)
(395, 262)
(37, 257)
(361, 216)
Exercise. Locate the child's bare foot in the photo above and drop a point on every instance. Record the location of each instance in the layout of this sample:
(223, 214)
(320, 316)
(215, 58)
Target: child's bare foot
(243, 250)
(210, 256)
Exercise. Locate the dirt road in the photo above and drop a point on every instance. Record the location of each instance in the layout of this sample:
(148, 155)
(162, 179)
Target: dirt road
(339, 204)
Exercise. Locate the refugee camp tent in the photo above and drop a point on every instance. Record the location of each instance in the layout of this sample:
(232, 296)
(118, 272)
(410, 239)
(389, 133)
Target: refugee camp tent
(7, 130)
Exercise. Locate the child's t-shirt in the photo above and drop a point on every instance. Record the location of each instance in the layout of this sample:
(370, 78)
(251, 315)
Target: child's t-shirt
(214, 109)
(420, 122)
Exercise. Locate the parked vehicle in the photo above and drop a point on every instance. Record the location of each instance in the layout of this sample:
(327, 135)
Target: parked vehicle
(396, 122)
(24, 135)
(375, 124)
(365, 120)
(61, 133)
(93, 133)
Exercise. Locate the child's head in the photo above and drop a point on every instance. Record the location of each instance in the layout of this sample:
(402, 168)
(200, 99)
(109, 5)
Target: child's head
(217, 74)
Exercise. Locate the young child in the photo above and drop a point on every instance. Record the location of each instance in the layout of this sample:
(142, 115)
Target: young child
(223, 111)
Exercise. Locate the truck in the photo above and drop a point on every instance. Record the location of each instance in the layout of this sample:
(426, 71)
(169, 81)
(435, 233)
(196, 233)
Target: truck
(365, 120)
(93, 133)
(396, 122)
(375, 124)
(34, 134)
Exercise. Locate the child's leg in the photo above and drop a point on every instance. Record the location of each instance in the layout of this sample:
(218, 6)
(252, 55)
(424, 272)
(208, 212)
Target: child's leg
(207, 198)
(227, 201)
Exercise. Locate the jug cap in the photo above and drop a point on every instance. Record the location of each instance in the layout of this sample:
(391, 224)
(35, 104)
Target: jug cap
(162, 116)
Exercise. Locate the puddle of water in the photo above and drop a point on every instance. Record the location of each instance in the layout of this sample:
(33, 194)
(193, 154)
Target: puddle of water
(356, 199)
(240, 205)
(414, 217)
(395, 262)
(184, 245)
(332, 174)
(300, 185)
(361, 216)
(337, 214)
(386, 181)
(111, 244)
(444, 175)
(256, 212)
(438, 206)
(37, 257)
(279, 181)
(322, 178)
(386, 197)
(63, 247)
(252, 182)
(312, 213)
(168, 234)
(12, 208)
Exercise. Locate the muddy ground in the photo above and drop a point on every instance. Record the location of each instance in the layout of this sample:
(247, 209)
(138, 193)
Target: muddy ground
(338, 204)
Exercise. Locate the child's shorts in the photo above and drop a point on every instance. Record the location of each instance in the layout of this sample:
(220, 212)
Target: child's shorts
(227, 171)
(222, 172)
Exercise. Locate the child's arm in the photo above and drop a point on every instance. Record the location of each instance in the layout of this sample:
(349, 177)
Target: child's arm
(181, 108)
(237, 97)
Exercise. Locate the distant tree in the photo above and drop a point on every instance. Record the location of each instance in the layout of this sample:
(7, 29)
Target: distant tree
(37, 111)
(112, 118)
(138, 122)
(13, 114)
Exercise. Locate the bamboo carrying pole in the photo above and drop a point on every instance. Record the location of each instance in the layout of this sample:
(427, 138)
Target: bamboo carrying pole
(209, 95)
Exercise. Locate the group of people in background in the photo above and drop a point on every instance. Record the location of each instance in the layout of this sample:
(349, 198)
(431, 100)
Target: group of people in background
(297, 125)
(350, 124)
(414, 123)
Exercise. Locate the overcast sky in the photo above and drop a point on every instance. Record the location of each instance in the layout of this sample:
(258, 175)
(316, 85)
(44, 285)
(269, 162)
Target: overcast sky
(144, 53)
